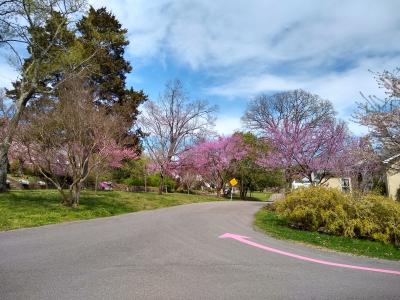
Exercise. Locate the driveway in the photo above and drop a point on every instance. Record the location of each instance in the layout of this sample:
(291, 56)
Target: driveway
(175, 253)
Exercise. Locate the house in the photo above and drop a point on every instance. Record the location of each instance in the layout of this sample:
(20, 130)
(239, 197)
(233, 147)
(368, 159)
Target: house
(392, 176)
(341, 183)
(303, 183)
(346, 184)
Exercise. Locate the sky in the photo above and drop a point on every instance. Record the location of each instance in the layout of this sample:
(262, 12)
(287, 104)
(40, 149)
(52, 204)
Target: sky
(229, 51)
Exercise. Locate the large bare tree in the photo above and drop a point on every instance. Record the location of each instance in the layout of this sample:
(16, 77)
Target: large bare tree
(172, 123)
(297, 107)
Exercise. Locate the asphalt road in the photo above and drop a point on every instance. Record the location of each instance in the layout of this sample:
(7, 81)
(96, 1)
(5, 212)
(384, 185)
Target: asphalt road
(175, 253)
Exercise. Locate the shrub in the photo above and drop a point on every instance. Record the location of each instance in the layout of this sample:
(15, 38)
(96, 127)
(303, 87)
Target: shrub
(331, 211)
(133, 181)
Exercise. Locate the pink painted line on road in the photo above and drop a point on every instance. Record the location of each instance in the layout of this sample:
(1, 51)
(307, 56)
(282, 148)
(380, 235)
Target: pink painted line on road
(244, 240)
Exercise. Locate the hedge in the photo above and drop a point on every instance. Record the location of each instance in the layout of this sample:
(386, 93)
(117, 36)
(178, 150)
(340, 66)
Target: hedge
(366, 216)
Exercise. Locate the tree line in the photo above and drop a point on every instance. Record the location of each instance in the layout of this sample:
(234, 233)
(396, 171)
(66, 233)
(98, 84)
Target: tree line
(72, 116)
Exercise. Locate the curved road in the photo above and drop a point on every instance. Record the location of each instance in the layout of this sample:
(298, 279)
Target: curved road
(175, 253)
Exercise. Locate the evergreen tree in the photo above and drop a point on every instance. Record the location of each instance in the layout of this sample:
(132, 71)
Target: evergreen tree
(102, 33)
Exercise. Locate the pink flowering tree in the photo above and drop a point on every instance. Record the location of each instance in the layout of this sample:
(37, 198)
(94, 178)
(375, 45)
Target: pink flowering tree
(67, 166)
(305, 138)
(185, 169)
(362, 162)
(111, 156)
(307, 151)
(18, 153)
(72, 138)
(212, 159)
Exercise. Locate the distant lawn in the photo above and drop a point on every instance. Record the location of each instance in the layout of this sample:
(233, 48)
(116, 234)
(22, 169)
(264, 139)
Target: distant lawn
(261, 196)
(29, 208)
(255, 196)
(271, 224)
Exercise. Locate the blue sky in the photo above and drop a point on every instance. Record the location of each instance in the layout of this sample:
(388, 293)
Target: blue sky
(229, 51)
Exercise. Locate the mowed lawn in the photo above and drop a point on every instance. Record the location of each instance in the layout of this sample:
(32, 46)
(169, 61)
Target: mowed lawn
(276, 227)
(29, 208)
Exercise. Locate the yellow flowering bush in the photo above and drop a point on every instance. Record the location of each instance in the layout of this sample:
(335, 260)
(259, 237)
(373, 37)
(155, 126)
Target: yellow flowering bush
(331, 211)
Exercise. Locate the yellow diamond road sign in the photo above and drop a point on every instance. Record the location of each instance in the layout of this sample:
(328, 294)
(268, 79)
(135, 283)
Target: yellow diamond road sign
(233, 182)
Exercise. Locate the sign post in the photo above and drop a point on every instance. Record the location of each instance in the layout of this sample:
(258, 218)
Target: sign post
(233, 183)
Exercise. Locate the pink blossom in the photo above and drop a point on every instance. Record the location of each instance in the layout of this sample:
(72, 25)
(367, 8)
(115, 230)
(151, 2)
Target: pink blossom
(211, 159)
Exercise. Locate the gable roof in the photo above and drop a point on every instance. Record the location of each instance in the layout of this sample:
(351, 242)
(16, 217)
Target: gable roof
(388, 160)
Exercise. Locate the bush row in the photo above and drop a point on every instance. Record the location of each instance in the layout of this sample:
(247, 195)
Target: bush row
(330, 211)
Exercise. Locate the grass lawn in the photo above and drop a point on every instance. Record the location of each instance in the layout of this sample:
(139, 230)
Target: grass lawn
(271, 224)
(255, 196)
(29, 208)
(261, 196)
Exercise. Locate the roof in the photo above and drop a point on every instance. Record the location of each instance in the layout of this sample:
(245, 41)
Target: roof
(388, 160)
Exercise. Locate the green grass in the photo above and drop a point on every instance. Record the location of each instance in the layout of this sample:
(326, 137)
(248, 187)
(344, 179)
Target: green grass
(255, 196)
(29, 208)
(261, 196)
(271, 224)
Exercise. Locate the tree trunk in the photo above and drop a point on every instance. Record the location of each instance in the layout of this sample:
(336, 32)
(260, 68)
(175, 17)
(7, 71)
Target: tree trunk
(96, 183)
(219, 187)
(160, 189)
(243, 190)
(243, 193)
(66, 197)
(288, 179)
(11, 129)
(20, 167)
(3, 167)
(73, 196)
(76, 195)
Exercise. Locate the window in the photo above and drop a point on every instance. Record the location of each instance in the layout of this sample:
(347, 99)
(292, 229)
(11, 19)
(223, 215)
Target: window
(345, 185)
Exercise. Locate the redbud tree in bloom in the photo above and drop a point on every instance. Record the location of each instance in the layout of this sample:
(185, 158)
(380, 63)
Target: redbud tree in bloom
(212, 159)
(362, 163)
(304, 136)
(184, 169)
(308, 151)
(69, 139)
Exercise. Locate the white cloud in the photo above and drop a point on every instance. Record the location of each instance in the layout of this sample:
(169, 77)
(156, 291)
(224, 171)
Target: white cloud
(226, 125)
(343, 88)
(248, 47)
(211, 34)
(8, 74)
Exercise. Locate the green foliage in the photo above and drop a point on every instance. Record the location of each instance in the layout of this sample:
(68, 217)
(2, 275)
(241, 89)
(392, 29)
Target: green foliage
(134, 171)
(133, 181)
(330, 211)
(53, 50)
(152, 181)
(102, 34)
(251, 176)
(379, 187)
